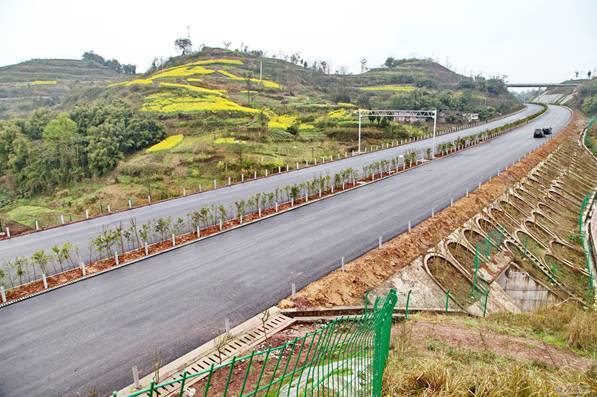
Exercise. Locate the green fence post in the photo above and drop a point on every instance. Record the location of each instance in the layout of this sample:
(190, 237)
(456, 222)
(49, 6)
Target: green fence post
(151, 388)
(366, 298)
(474, 287)
(485, 305)
(208, 382)
(114, 394)
(407, 303)
(182, 384)
(229, 375)
(447, 300)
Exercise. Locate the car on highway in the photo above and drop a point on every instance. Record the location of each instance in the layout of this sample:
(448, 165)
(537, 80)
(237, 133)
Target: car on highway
(546, 130)
(538, 133)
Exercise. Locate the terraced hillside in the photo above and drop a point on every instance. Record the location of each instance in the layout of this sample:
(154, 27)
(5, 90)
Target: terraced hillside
(47, 82)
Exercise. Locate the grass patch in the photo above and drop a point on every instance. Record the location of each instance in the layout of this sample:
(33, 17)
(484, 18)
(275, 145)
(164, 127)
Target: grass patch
(438, 368)
(28, 214)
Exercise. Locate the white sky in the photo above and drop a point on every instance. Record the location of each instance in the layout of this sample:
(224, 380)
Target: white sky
(529, 41)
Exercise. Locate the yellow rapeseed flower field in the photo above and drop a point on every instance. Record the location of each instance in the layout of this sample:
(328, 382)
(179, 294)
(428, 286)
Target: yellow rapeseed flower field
(166, 144)
(282, 122)
(265, 83)
(390, 87)
(131, 83)
(192, 88)
(340, 114)
(164, 103)
(44, 82)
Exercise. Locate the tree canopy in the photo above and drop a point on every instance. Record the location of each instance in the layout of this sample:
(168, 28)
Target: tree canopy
(51, 149)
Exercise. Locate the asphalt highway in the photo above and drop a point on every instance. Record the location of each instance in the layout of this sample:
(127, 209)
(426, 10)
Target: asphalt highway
(80, 233)
(89, 334)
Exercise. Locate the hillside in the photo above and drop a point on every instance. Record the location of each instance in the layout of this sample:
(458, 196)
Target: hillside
(224, 120)
(46, 82)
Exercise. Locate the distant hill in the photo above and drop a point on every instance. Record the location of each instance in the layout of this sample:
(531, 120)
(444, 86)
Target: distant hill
(46, 82)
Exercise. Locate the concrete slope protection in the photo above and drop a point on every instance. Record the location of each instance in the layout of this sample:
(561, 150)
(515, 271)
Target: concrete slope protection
(79, 233)
(89, 334)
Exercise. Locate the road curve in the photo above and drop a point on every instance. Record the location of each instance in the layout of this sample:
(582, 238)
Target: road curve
(79, 233)
(89, 334)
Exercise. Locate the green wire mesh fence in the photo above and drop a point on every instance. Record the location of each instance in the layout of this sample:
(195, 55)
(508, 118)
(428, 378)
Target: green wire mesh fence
(346, 357)
(585, 244)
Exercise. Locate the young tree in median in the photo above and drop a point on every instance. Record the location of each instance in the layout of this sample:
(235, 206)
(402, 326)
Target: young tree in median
(41, 259)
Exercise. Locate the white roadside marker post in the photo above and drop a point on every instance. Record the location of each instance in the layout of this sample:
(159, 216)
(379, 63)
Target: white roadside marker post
(409, 228)
(342, 264)
(451, 202)
(254, 174)
(198, 231)
(83, 269)
(36, 225)
(7, 232)
(130, 204)
(109, 210)
(146, 248)
(3, 293)
(116, 258)
(62, 217)
(242, 177)
(293, 289)
(173, 240)
(215, 184)
(221, 224)
(379, 242)
(45, 280)
(229, 181)
(136, 384)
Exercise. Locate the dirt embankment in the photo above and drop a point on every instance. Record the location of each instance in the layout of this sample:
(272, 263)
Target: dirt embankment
(347, 287)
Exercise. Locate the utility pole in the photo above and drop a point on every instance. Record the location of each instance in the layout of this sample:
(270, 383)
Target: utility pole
(433, 141)
(260, 69)
(360, 118)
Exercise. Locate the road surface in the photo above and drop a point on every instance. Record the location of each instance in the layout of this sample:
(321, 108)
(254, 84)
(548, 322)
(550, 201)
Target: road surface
(79, 234)
(89, 334)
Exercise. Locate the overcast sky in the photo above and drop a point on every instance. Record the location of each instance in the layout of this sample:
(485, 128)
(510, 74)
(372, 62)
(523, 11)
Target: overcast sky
(525, 40)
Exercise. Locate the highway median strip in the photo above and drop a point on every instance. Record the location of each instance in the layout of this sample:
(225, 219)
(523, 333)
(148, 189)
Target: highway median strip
(215, 220)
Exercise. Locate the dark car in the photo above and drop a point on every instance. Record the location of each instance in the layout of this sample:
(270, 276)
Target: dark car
(546, 130)
(538, 133)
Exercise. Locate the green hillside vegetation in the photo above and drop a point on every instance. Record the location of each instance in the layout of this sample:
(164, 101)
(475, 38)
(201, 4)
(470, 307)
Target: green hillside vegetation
(46, 82)
(233, 122)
